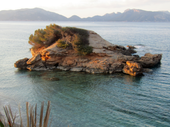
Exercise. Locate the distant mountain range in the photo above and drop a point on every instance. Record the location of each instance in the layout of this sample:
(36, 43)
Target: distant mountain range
(130, 15)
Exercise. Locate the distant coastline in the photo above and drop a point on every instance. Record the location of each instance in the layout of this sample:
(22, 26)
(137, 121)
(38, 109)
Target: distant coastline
(129, 15)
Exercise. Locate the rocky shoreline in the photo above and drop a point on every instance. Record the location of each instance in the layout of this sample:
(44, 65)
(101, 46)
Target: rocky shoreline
(105, 58)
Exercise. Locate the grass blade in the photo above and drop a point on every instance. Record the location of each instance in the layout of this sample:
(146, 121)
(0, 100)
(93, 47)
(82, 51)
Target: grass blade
(31, 116)
(7, 116)
(41, 114)
(1, 124)
(9, 107)
(21, 124)
(35, 115)
(27, 110)
(47, 115)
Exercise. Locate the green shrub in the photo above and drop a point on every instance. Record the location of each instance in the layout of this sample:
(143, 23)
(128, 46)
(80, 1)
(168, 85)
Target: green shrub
(81, 46)
(45, 37)
(62, 44)
(84, 49)
(54, 33)
(74, 30)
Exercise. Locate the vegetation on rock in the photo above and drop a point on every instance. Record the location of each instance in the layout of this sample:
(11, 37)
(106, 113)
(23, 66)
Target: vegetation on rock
(62, 44)
(45, 37)
(66, 37)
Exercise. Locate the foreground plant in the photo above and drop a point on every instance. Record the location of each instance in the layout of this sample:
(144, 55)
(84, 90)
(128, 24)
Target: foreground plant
(31, 117)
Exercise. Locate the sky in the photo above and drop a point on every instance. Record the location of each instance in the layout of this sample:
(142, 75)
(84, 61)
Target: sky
(87, 8)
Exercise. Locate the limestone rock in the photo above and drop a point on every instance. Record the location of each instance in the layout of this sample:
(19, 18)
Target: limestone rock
(95, 70)
(37, 66)
(82, 60)
(124, 58)
(116, 67)
(97, 42)
(36, 51)
(53, 50)
(34, 59)
(68, 62)
(53, 60)
(133, 68)
(22, 63)
(78, 69)
(150, 60)
(98, 65)
(63, 68)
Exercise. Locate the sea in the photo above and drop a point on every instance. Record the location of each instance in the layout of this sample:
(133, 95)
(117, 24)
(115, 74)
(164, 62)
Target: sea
(80, 99)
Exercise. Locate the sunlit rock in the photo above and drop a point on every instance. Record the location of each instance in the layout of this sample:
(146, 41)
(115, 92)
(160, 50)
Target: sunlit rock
(133, 68)
(105, 58)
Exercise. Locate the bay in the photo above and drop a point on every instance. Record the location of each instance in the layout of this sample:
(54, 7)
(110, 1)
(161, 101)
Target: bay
(81, 99)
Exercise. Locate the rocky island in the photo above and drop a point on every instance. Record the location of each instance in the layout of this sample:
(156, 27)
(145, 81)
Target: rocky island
(74, 49)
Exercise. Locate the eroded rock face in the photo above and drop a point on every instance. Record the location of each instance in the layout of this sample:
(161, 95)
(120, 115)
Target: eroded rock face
(133, 68)
(150, 60)
(35, 51)
(116, 67)
(97, 42)
(21, 64)
(106, 58)
(34, 59)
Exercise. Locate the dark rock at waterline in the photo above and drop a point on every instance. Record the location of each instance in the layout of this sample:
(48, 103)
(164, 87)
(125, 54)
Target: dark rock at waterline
(21, 64)
(147, 70)
(150, 60)
(52, 79)
(131, 47)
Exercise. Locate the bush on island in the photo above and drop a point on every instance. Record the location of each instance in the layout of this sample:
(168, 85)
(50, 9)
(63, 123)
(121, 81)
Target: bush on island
(54, 33)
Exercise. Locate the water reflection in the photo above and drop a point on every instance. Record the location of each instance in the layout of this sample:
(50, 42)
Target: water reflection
(132, 80)
(77, 79)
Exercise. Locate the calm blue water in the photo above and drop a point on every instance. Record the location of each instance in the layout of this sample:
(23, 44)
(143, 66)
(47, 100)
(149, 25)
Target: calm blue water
(86, 100)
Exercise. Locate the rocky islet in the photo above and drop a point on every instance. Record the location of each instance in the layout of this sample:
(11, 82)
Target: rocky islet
(105, 58)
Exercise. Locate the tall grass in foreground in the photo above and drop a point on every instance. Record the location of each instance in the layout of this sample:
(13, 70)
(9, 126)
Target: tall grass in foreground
(31, 113)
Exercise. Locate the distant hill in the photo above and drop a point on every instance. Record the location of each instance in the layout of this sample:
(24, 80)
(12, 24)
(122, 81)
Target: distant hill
(35, 14)
(130, 15)
(133, 15)
(74, 18)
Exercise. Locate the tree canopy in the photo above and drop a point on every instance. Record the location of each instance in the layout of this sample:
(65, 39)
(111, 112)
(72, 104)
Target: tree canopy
(53, 33)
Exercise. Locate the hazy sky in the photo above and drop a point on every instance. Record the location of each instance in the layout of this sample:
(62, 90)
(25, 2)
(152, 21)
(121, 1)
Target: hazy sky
(87, 8)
